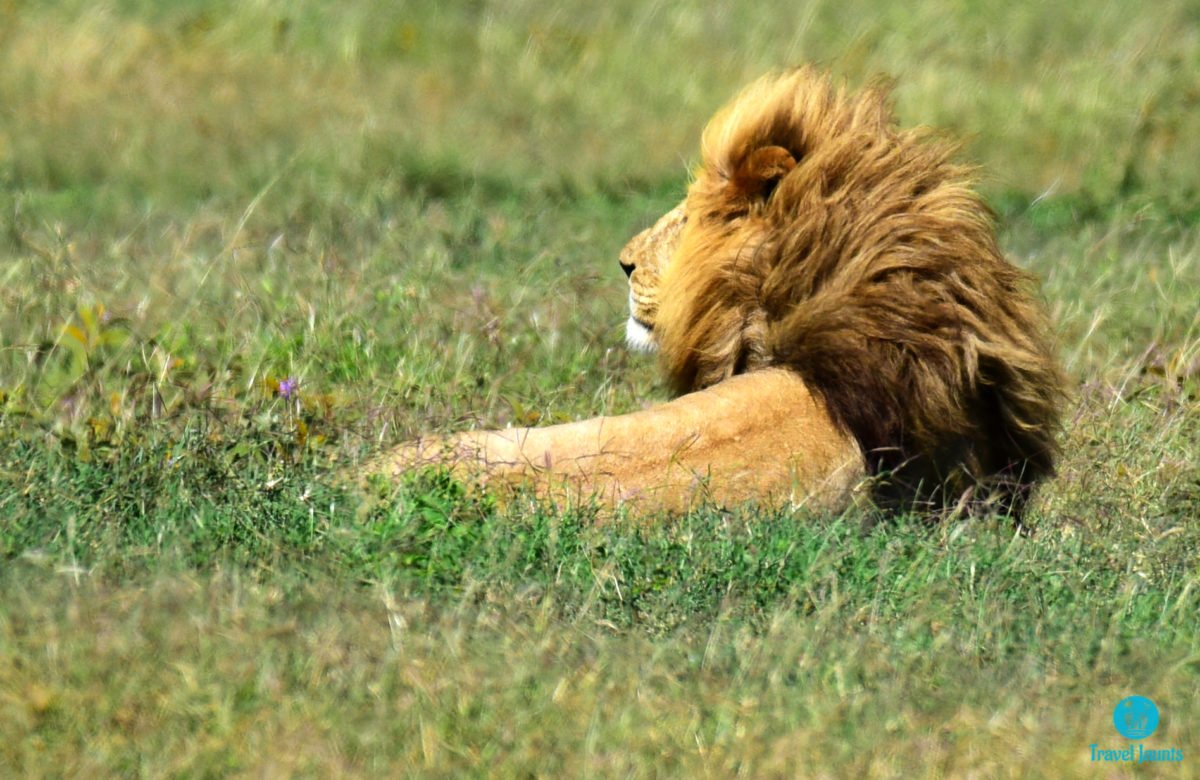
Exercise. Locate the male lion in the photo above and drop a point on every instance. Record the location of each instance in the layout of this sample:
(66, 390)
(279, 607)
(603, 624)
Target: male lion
(829, 303)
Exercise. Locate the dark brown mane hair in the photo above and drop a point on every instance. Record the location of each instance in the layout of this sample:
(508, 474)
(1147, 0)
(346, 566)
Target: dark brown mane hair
(822, 237)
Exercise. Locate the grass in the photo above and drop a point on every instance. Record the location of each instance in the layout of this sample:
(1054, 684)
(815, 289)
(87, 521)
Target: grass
(413, 212)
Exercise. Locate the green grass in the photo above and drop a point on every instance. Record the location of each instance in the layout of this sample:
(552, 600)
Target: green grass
(414, 211)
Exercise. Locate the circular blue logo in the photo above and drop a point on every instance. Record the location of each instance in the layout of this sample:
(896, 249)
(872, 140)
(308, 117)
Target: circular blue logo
(1135, 717)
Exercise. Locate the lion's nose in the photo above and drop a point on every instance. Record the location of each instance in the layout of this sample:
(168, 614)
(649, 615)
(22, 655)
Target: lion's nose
(628, 268)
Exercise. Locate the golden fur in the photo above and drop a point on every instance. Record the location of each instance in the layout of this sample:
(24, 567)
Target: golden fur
(848, 270)
(760, 437)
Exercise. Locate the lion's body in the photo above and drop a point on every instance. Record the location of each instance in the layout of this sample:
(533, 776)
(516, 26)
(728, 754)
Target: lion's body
(820, 243)
(759, 438)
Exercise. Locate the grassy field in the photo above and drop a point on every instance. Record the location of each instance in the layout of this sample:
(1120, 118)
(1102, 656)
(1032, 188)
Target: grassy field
(243, 244)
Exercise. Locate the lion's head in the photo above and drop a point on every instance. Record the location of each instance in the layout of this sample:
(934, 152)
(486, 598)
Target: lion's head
(820, 237)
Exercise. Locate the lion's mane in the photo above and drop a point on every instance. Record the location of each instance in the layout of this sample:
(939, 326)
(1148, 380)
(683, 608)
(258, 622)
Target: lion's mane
(822, 238)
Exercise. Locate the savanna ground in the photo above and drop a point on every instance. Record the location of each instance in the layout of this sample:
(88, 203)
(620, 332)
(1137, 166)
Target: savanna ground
(242, 244)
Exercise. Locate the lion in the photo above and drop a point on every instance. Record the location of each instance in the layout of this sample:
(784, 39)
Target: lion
(835, 319)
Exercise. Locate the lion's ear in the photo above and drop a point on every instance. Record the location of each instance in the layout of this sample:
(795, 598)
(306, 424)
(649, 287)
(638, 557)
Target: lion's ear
(759, 173)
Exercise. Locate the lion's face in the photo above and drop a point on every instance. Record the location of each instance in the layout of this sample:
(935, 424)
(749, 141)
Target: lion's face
(644, 259)
(693, 276)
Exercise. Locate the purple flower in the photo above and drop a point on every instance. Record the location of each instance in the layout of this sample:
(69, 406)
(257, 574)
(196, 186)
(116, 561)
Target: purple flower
(288, 387)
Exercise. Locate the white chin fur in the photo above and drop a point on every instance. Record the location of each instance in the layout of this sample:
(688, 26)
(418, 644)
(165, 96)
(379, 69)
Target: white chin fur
(638, 336)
